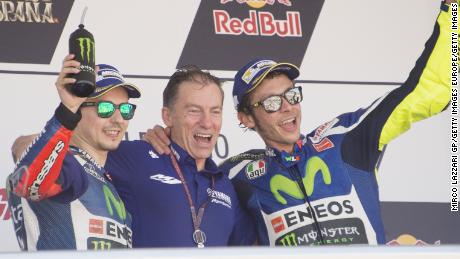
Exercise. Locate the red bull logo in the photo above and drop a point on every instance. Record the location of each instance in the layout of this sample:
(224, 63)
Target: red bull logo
(409, 240)
(249, 28)
(259, 3)
(258, 24)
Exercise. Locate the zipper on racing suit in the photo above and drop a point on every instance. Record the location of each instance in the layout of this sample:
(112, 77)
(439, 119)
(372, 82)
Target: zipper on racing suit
(295, 174)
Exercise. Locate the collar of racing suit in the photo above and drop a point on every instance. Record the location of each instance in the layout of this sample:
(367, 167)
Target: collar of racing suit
(285, 158)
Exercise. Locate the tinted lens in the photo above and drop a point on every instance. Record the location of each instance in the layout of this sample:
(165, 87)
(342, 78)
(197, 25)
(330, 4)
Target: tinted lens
(105, 109)
(293, 96)
(272, 103)
(127, 110)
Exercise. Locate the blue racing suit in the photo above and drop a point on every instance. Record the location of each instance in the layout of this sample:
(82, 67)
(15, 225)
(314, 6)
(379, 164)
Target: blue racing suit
(154, 195)
(60, 198)
(326, 192)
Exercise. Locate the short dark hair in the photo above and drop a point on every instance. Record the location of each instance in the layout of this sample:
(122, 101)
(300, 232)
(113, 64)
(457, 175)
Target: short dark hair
(188, 73)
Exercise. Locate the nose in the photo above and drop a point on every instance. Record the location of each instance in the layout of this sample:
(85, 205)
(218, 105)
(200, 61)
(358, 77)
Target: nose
(116, 117)
(285, 105)
(206, 120)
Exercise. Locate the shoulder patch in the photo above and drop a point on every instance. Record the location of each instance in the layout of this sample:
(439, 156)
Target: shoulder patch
(255, 169)
(238, 163)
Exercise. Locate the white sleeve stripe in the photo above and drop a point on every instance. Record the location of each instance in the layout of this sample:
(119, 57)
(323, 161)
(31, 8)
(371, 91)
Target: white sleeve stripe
(237, 168)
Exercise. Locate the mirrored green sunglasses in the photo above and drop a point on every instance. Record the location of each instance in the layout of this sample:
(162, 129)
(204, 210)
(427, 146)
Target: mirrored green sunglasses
(105, 109)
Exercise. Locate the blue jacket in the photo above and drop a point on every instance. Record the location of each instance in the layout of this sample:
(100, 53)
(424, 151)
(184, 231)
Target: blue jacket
(60, 197)
(154, 195)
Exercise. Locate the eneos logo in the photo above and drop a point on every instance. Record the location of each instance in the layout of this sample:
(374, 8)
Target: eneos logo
(229, 33)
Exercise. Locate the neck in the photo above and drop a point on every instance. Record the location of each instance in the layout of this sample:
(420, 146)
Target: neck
(200, 164)
(100, 156)
(288, 148)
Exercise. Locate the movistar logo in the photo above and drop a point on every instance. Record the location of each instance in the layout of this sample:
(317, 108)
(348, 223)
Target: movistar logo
(280, 183)
(110, 200)
(87, 48)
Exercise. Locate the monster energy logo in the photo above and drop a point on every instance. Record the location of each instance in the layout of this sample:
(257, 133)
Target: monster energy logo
(101, 245)
(281, 183)
(289, 240)
(86, 45)
(118, 204)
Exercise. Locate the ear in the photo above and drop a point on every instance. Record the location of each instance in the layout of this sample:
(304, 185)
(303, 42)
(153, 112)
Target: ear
(246, 119)
(167, 116)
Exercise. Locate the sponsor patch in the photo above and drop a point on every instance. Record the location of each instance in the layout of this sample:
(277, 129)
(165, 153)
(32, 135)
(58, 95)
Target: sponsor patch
(256, 169)
(324, 144)
(165, 179)
(341, 219)
(251, 72)
(278, 224)
(219, 198)
(96, 226)
(292, 158)
(47, 165)
(319, 141)
(91, 169)
(321, 130)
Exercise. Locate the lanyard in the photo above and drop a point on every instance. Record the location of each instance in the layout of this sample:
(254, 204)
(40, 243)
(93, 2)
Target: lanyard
(198, 235)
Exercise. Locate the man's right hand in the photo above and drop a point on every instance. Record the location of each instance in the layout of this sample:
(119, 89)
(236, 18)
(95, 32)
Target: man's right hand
(158, 137)
(69, 66)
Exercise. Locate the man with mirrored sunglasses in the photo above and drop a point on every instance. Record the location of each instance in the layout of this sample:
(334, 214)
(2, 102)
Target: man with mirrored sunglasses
(321, 188)
(60, 193)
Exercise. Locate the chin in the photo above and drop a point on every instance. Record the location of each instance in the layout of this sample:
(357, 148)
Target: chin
(292, 138)
(202, 154)
(110, 146)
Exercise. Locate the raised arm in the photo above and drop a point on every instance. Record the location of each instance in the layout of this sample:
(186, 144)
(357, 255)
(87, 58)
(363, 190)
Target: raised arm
(37, 171)
(426, 92)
